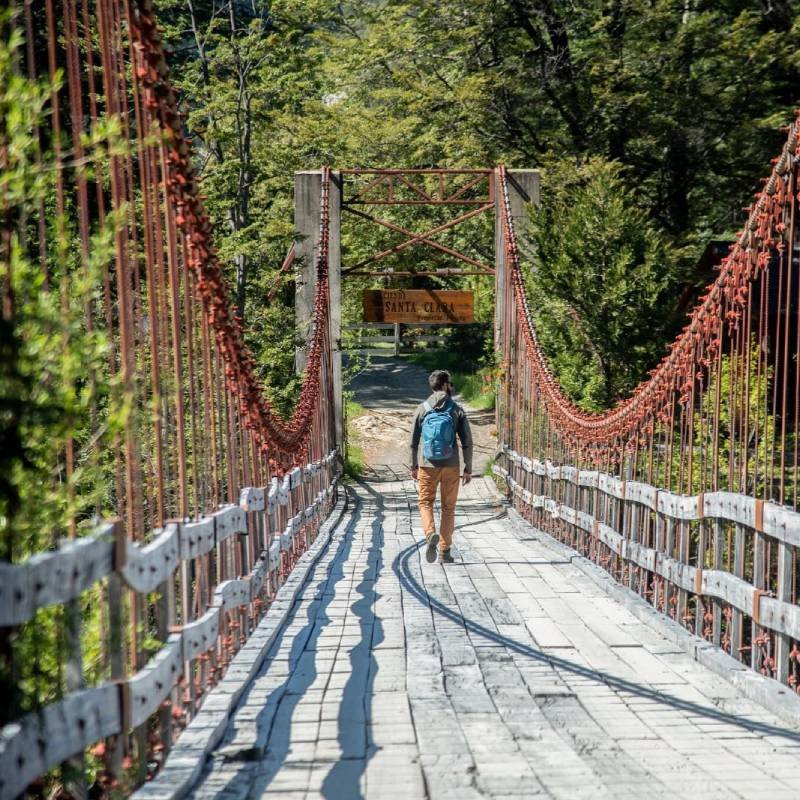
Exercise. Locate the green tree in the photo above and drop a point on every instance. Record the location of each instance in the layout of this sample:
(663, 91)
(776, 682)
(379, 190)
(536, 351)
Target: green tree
(687, 97)
(601, 280)
(55, 393)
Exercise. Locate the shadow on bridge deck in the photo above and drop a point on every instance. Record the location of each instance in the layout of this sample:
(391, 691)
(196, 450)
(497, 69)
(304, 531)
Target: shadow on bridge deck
(400, 566)
(272, 728)
(313, 722)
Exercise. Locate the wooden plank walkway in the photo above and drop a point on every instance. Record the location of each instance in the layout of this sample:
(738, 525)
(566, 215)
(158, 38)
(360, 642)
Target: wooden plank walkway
(509, 674)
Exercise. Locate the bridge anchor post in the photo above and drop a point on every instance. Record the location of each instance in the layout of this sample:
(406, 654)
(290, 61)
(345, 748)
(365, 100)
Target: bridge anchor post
(523, 191)
(307, 189)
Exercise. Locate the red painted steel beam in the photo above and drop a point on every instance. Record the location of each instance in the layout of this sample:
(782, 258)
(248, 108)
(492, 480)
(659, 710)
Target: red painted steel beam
(388, 273)
(422, 171)
(421, 238)
(478, 201)
(391, 177)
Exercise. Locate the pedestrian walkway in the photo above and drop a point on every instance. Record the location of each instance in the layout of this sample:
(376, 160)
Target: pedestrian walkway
(506, 675)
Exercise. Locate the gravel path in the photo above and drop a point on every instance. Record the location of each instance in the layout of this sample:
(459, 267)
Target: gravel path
(390, 389)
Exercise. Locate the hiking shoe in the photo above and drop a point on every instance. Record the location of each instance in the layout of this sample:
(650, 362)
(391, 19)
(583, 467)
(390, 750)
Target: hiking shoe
(430, 550)
(445, 557)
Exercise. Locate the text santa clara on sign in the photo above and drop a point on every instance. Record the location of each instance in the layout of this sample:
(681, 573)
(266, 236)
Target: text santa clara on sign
(445, 306)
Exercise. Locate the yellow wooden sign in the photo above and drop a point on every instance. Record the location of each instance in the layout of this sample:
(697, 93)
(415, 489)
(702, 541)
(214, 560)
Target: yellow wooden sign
(419, 305)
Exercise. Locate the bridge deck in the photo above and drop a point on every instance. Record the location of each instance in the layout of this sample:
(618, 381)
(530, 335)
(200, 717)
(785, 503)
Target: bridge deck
(508, 674)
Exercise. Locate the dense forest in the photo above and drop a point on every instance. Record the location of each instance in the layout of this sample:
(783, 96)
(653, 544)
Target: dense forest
(652, 121)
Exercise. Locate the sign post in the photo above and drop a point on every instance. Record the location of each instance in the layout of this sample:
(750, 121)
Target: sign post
(416, 306)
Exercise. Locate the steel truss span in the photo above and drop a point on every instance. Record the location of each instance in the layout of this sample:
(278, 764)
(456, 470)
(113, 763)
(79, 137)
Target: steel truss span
(471, 192)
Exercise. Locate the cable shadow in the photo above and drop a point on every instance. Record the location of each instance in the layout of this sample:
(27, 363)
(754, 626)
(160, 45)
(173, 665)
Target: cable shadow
(274, 722)
(342, 780)
(400, 566)
(493, 518)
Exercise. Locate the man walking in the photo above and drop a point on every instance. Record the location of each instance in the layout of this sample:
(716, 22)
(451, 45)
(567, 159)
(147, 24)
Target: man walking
(437, 423)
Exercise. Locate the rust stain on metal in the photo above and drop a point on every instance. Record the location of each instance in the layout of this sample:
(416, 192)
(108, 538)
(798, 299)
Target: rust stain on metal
(759, 521)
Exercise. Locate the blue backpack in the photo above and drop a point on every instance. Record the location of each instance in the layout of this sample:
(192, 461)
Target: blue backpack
(438, 432)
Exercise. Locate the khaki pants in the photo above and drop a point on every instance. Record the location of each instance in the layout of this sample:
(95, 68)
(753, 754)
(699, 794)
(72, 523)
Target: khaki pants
(429, 480)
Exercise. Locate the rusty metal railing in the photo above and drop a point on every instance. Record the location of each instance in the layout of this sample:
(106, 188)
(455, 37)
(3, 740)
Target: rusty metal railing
(686, 491)
(170, 500)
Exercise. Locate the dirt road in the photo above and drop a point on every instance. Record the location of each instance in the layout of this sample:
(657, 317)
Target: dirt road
(390, 390)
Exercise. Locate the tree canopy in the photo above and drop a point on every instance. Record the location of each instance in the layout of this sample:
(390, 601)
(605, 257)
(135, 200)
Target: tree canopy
(673, 106)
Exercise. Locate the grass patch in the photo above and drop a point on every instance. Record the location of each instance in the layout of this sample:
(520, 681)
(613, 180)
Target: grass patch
(476, 388)
(354, 456)
(352, 409)
(354, 460)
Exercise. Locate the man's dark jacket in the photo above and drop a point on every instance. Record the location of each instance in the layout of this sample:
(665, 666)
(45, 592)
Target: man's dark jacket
(437, 401)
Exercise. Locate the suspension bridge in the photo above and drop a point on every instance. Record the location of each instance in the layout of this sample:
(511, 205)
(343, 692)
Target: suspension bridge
(235, 620)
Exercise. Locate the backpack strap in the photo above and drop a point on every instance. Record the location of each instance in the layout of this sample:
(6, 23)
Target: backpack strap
(451, 407)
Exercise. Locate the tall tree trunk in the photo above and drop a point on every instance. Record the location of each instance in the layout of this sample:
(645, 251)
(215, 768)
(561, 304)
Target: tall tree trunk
(618, 125)
(678, 155)
(202, 57)
(551, 56)
(244, 130)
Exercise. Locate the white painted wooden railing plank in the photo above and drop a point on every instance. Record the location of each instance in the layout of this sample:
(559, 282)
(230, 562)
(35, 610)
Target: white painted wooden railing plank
(151, 684)
(200, 635)
(55, 576)
(148, 566)
(45, 738)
